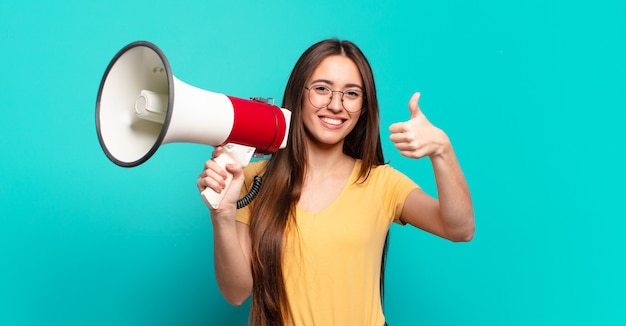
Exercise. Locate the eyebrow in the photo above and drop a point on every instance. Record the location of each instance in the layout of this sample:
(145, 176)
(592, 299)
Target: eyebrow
(326, 81)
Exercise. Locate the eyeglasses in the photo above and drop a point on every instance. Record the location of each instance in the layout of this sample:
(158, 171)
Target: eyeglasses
(320, 97)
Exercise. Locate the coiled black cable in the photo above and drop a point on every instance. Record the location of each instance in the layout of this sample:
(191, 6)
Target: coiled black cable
(254, 191)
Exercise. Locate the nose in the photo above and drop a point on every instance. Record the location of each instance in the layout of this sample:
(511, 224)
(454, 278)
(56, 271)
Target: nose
(336, 102)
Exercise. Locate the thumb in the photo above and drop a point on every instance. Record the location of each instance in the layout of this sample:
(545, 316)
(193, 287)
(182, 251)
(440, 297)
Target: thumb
(414, 105)
(234, 188)
(236, 170)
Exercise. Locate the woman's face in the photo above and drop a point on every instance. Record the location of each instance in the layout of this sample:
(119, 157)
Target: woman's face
(328, 125)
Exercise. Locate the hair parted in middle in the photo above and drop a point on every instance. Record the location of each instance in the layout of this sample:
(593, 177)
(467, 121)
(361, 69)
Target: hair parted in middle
(272, 210)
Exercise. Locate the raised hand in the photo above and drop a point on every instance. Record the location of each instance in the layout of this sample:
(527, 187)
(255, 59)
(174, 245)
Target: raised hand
(417, 137)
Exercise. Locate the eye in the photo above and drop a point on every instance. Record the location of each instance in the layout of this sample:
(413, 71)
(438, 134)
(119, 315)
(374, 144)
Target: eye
(352, 94)
(321, 89)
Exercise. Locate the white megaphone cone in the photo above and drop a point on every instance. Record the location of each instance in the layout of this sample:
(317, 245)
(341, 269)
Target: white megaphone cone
(141, 105)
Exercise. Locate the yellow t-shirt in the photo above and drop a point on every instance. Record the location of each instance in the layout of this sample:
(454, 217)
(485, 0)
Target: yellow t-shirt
(332, 258)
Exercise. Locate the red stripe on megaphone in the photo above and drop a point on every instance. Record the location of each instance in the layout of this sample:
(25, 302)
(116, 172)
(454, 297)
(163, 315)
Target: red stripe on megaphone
(257, 124)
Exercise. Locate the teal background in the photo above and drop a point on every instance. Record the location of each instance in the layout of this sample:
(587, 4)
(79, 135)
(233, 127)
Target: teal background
(532, 95)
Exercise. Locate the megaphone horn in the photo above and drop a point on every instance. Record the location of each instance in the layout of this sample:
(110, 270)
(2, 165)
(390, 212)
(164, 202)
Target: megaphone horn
(141, 105)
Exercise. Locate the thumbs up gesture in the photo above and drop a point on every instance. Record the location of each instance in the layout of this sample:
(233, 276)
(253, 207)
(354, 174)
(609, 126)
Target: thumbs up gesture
(417, 137)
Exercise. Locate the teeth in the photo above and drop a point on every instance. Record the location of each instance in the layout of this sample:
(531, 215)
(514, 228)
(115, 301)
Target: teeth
(331, 121)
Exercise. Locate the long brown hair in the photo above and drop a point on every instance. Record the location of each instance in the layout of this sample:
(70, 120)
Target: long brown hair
(273, 209)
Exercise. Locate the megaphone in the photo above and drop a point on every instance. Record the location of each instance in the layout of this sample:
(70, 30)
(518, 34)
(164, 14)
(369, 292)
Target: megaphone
(141, 105)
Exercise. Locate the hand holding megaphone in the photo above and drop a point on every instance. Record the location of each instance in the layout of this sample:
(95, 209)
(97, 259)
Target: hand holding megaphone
(228, 154)
(217, 178)
(141, 105)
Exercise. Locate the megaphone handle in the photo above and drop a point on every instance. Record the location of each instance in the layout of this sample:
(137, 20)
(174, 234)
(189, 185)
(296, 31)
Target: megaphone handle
(233, 153)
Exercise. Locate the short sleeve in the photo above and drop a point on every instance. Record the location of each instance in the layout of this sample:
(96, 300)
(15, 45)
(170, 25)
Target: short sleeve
(398, 186)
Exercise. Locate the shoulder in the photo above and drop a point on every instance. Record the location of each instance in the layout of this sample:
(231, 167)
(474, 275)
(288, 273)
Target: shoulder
(386, 176)
(389, 187)
(255, 168)
(385, 171)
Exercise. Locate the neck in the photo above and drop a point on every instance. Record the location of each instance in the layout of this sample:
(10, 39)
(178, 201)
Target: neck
(328, 160)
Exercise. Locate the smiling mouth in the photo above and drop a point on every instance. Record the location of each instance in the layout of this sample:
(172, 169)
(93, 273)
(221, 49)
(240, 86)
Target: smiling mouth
(330, 121)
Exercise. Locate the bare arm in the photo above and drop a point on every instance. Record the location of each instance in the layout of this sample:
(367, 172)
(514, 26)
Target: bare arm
(231, 239)
(452, 216)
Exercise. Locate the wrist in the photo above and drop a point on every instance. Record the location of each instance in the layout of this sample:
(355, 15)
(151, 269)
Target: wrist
(445, 147)
(222, 218)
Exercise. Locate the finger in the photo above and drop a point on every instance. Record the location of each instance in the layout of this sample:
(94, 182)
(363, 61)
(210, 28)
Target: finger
(236, 170)
(211, 179)
(398, 127)
(213, 166)
(234, 188)
(414, 105)
(398, 137)
(217, 152)
(409, 150)
(207, 182)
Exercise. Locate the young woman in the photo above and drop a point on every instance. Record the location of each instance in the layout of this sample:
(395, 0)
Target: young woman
(309, 247)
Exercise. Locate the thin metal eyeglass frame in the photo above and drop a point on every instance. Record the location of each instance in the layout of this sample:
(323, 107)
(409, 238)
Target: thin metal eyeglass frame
(330, 99)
